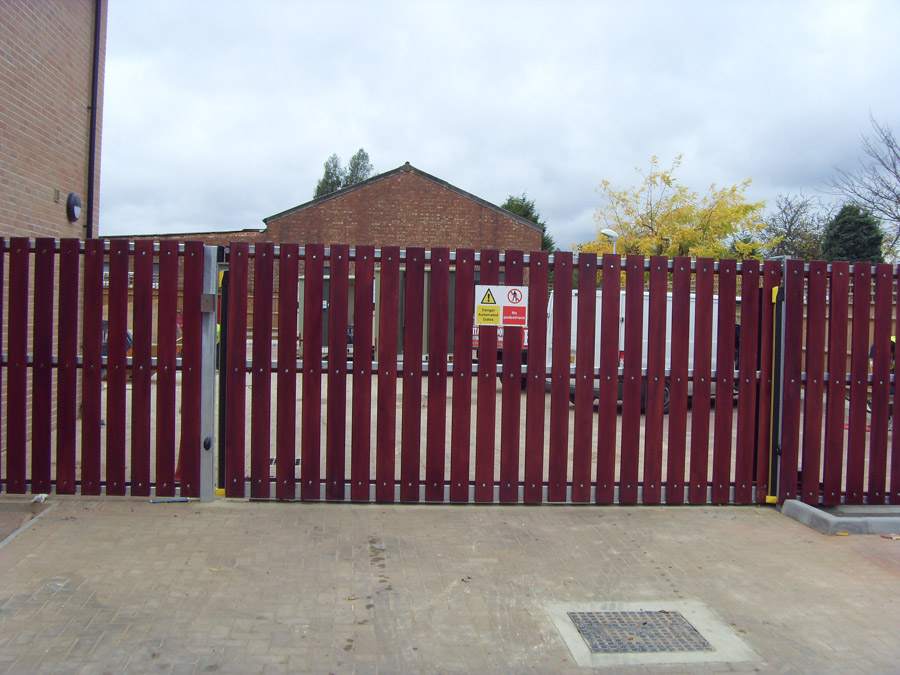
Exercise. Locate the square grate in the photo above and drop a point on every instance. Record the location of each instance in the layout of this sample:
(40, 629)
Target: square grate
(638, 632)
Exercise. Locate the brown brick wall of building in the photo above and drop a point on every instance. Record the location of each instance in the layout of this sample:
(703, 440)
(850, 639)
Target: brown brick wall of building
(46, 67)
(404, 208)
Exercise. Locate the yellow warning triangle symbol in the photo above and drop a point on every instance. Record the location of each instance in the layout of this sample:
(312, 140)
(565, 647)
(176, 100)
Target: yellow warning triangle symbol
(488, 298)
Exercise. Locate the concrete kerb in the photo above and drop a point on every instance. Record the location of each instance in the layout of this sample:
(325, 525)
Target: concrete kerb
(874, 519)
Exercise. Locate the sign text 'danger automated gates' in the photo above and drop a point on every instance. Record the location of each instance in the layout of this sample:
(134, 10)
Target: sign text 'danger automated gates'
(501, 306)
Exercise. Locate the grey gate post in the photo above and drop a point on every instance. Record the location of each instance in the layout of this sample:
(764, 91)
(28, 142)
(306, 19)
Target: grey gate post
(208, 374)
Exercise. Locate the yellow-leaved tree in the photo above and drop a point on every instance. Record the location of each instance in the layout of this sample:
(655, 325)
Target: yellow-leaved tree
(661, 217)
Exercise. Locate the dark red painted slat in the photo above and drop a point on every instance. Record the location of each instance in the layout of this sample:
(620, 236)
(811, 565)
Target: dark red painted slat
(462, 375)
(748, 383)
(561, 347)
(724, 412)
(815, 382)
(167, 315)
(656, 379)
(17, 369)
(678, 380)
(286, 404)
(91, 367)
(438, 322)
(411, 415)
(385, 432)
(142, 320)
(791, 387)
(584, 377)
(3, 290)
(235, 368)
(700, 399)
(881, 384)
(631, 393)
(311, 339)
(116, 367)
(42, 370)
(538, 295)
(67, 372)
(261, 377)
(486, 408)
(859, 375)
(336, 407)
(607, 402)
(512, 392)
(771, 280)
(191, 380)
(363, 317)
(894, 488)
(838, 325)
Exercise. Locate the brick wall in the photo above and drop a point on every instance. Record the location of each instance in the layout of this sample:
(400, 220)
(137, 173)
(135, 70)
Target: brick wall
(46, 66)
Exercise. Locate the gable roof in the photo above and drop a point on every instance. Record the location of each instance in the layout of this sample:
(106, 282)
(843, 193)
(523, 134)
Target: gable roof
(406, 168)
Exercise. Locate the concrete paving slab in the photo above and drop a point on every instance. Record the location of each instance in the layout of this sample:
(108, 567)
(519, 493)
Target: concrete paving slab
(123, 585)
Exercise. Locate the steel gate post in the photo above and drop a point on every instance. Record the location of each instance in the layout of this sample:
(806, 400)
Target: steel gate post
(208, 373)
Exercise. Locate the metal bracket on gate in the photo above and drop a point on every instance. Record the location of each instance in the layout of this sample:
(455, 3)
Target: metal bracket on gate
(207, 303)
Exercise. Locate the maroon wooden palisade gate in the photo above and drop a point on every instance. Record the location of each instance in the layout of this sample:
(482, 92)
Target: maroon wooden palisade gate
(486, 438)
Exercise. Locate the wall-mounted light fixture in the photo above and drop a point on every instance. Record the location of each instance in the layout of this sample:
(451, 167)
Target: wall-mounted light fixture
(73, 207)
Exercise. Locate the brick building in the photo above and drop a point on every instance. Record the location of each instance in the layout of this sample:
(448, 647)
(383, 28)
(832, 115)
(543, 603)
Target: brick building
(52, 55)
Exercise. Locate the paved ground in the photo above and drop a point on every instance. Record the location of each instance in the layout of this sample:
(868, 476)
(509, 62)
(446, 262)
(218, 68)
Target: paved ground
(123, 585)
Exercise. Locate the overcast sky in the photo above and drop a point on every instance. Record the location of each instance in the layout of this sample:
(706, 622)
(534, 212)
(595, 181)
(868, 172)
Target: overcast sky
(219, 113)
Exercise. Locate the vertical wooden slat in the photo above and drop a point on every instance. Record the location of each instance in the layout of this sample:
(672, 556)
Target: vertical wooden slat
(336, 406)
(411, 415)
(724, 414)
(771, 281)
(438, 318)
(67, 372)
(859, 376)
(815, 384)
(512, 393)
(838, 320)
(142, 320)
(235, 368)
(560, 382)
(657, 333)
(678, 381)
(116, 367)
(703, 319)
(167, 315)
(16, 420)
(538, 295)
(385, 433)
(584, 377)
(42, 370)
(486, 408)
(286, 404)
(748, 383)
(608, 386)
(894, 488)
(3, 290)
(631, 390)
(261, 377)
(881, 384)
(311, 415)
(793, 356)
(363, 318)
(191, 382)
(91, 367)
(462, 375)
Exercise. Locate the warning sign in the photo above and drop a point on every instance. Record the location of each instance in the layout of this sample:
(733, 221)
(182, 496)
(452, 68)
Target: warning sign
(501, 306)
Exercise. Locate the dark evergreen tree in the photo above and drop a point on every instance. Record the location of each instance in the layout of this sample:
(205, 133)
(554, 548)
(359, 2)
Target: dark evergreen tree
(524, 207)
(853, 235)
(336, 177)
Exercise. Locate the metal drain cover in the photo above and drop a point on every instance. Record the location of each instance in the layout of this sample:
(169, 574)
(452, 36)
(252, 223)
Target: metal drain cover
(646, 633)
(629, 632)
